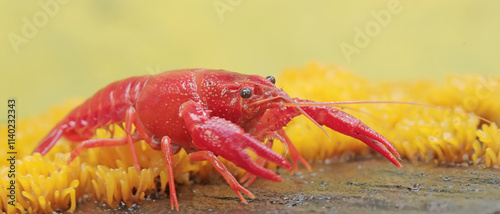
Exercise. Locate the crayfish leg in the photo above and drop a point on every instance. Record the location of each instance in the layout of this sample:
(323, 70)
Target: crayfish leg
(130, 117)
(219, 166)
(296, 157)
(167, 152)
(94, 143)
(249, 177)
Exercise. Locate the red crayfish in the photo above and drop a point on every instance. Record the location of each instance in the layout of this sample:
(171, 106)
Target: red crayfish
(208, 113)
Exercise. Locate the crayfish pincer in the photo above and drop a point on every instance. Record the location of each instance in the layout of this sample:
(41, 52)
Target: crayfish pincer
(208, 113)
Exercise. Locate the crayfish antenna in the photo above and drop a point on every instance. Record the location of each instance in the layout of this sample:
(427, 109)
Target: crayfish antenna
(340, 104)
(315, 122)
(294, 103)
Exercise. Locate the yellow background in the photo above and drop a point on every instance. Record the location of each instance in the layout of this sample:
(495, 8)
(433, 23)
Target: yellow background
(87, 44)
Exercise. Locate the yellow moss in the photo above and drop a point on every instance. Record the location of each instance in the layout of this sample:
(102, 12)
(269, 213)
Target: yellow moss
(48, 183)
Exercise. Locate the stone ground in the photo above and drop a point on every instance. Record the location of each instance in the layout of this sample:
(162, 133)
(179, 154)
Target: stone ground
(369, 186)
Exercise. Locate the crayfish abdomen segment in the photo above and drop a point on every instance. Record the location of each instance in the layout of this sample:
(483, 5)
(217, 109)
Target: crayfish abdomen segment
(105, 107)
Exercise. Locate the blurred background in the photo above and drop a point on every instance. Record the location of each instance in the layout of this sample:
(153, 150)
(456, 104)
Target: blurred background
(53, 50)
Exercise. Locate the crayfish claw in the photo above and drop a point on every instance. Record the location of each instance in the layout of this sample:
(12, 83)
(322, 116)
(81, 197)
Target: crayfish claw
(229, 141)
(347, 124)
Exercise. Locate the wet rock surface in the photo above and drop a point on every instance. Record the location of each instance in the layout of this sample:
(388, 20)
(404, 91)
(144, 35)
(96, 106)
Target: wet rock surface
(353, 187)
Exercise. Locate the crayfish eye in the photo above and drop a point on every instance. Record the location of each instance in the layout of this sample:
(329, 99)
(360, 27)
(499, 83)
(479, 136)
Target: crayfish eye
(271, 79)
(245, 93)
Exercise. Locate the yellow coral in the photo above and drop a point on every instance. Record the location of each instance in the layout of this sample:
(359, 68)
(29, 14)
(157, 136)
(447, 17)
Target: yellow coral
(446, 136)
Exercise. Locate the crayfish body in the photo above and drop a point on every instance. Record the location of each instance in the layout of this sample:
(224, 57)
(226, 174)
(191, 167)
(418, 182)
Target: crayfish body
(208, 113)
